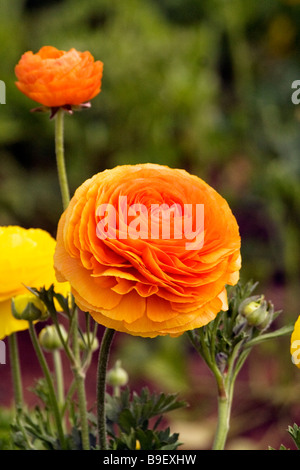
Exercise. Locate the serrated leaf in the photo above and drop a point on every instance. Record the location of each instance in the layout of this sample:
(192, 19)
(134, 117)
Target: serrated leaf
(127, 420)
(294, 432)
(132, 416)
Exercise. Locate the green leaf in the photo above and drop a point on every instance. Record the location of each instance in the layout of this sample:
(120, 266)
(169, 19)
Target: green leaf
(285, 330)
(131, 416)
(294, 432)
(127, 420)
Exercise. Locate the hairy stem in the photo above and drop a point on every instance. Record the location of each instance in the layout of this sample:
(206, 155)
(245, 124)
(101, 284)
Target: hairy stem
(80, 386)
(224, 410)
(60, 157)
(16, 371)
(101, 386)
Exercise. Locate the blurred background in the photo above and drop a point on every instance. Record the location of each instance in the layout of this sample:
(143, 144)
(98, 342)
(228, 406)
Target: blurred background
(203, 85)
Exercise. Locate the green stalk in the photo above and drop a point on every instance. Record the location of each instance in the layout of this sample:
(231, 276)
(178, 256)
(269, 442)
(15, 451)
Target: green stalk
(224, 409)
(80, 386)
(101, 386)
(224, 381)
(224, 412)
(59, 377)
(60, 157)
(225, 395)
(47, 374)
(16, 371)
(65, 193)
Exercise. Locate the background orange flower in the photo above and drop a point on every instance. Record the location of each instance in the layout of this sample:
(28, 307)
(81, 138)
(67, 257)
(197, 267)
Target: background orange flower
(57, 78)
(147, 287)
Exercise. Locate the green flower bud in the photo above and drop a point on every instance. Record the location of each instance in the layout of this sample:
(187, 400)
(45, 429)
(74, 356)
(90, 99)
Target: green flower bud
(83, 343)
(117, 376)
(28, 307)
(49, 338)
(257, 311)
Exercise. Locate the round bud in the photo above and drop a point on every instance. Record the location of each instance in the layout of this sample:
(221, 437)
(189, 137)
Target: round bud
(28, 307)
(117, 376)
(49, 338)
(257, 311)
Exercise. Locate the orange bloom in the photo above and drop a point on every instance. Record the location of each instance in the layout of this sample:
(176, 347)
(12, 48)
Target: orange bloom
(57, 78)
(129, 278)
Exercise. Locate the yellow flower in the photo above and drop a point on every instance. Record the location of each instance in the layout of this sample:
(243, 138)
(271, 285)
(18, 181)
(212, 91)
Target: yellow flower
(26, 259)
(295, 344)
(137, 445)
(28, 307)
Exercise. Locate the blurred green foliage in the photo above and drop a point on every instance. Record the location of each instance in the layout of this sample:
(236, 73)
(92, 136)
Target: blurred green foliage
(6, 417)
(201, 85)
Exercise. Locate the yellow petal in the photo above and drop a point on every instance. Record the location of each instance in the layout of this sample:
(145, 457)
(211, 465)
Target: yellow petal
(8, 324)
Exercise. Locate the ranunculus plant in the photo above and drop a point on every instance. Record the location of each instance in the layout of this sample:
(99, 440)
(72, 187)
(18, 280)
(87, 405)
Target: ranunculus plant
(145, 250)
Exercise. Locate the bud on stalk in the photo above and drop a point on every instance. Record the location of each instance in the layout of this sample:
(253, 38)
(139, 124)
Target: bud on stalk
(28, 307)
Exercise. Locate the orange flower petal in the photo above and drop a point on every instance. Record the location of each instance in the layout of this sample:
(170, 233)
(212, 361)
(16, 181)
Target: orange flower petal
(136, 283)
(57, 78)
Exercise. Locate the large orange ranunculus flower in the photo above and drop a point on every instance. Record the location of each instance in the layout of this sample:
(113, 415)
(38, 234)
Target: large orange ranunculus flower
(26, 259)
(128, 275)
(57, 78)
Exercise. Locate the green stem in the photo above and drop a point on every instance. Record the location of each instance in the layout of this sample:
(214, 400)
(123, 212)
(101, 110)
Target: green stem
(59, 377)
(69, 396)
(224, 410)
(80, 386)
(64, 341)
(225, 395)
(65, 193)
(24, 432)
(16, 371)
(60, 157)
(101, 386)
(47, 374)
